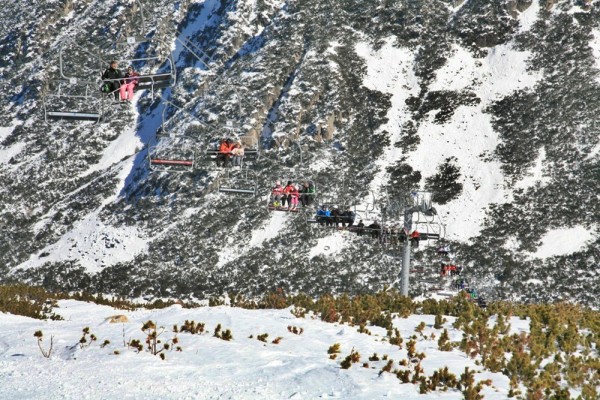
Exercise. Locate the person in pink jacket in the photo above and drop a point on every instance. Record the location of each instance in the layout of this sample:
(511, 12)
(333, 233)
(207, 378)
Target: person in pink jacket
(129, 83)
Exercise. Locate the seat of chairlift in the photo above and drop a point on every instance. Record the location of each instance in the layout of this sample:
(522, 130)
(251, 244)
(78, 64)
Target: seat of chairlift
(156, 81)
(160, 161)
(81, 116)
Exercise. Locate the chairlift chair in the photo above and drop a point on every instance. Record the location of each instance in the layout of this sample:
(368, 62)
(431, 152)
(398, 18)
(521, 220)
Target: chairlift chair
(241, 183)
(73, 100)
(296, 180)
(172, 154)
(148, 81)
(249, 143)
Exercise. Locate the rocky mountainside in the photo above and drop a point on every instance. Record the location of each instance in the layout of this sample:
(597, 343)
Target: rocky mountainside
(490, 106)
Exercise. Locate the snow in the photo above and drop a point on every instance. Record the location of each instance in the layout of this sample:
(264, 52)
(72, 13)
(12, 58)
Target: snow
(595, 45)
(5, 131)
(6, 153)
(126, 144)
(467, 136)
(528, 17)
(565, 241)
(469, 133)
(390, 70)
(208, 367)
(93, 244)
(329, 245)
(269, 230)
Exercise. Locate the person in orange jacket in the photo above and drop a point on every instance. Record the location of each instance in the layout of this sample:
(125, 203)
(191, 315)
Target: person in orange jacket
(224, 156)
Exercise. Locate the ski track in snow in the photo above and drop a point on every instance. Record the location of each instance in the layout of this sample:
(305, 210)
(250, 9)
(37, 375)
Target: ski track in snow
(565, 241)
(208, 367)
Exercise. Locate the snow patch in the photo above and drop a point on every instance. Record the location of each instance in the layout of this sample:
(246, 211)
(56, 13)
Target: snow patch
(93, 245)
(528, 17)
(564, 241)
(328, 245)
(6, 153)
(5, 131)
(125, 145)
(390, 70)
(270, 230)
(469, 134)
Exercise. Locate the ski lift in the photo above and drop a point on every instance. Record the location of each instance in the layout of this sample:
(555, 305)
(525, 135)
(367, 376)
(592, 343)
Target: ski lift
(243, 183)
(147, 80)
(73, 100)
(422, 200)
(172, 154)
(429, 230)
(309, 198)
(248, 143)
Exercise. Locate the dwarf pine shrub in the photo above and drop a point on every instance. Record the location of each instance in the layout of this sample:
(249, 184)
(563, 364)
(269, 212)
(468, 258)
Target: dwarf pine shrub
(444, 341)
(263, 337)
(87, 338)
(295, 330)
(350, 359)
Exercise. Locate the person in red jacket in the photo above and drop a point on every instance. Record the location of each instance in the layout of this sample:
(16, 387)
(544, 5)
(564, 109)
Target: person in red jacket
(415, 236)
(287, 198)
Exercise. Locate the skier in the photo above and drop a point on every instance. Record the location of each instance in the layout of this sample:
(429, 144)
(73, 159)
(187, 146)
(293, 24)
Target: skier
(323, 215)
(307, 193)
(223, 158)
(348, 217)
(415, 236)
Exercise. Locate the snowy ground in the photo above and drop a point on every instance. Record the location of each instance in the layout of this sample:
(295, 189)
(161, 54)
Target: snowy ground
(210, 368)
(561, 242)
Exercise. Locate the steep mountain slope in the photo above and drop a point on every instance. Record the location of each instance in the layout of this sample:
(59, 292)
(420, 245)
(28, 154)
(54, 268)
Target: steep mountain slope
(492, 107)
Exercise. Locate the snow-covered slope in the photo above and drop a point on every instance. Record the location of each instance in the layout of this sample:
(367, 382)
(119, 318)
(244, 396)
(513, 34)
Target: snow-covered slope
(298, 367)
